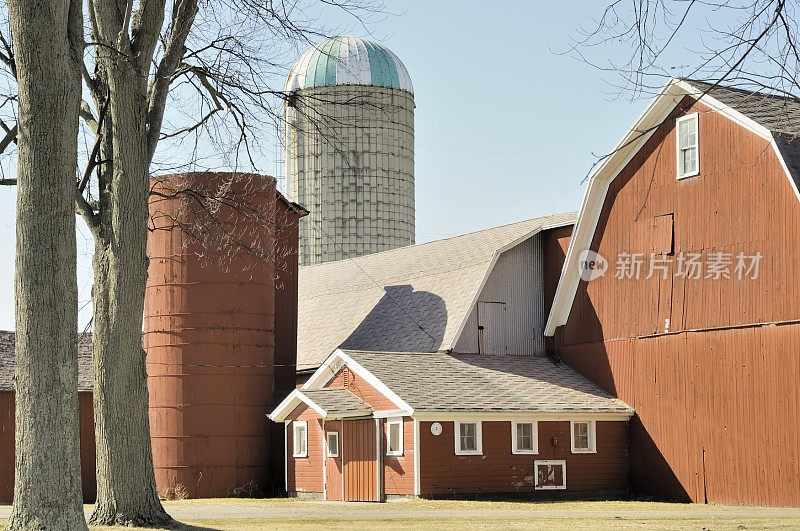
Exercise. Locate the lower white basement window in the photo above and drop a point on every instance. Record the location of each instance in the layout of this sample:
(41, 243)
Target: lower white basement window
(469, 440)
(300, 438)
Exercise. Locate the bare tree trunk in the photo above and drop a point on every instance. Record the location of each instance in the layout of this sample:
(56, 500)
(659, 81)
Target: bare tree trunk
(47, 486)
(126, 487)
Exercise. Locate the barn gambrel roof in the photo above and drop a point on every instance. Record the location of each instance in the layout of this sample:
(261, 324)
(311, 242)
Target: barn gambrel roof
(774, 118)
(414, 298)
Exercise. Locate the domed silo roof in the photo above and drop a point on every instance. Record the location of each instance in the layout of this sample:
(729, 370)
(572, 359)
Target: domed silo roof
(348, 60)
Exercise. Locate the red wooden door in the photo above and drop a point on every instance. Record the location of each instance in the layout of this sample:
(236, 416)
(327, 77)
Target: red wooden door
(333, 463)
(359, 460)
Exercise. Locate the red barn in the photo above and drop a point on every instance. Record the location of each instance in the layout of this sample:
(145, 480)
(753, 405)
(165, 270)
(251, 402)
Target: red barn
(371, 425)
(690, 311)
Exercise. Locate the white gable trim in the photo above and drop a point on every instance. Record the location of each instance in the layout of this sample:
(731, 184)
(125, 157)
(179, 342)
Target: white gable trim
(600, 179)
(488, 273)
(339, 359)
(289, 404)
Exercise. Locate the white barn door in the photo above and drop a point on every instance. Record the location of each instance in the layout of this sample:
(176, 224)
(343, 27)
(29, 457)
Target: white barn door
(492, 324)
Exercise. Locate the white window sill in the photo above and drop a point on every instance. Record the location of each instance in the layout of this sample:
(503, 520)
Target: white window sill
(693, 174)
(300, 455)
(525, 452)
(395, 454)
(474, 452)
(584, 451)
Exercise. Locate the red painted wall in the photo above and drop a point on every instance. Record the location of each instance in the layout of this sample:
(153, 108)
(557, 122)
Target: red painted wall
(305, 473)
(712, 395)
(363, 390)
(86, 416)
(500, 471)
(398, 470)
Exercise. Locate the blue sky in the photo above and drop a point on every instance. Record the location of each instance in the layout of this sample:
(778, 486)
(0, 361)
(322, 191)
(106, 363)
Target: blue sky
(505, 129)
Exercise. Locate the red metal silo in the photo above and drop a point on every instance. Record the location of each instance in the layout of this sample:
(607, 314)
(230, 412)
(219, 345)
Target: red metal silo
(209, 331)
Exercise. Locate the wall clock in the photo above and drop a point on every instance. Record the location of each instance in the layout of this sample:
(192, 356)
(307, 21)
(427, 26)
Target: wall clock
(436, 428)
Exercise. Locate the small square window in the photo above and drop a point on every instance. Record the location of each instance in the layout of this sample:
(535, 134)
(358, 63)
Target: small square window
(583, 437)
(333, 443)
(300, 438)
(524, 437)
(394, 445)
(687, 135)
(468, 438)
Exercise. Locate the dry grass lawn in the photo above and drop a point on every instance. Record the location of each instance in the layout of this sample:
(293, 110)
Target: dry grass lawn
(241, 514)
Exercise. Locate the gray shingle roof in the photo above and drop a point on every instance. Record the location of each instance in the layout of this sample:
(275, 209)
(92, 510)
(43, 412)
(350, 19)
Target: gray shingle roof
(440, 382)
(779, 114)
(7, 343)
(408, 299)
(338, 402)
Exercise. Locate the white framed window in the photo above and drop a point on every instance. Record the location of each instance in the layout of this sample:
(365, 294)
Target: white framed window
(550, 475)
(299, 438)
(524, 437)
(332, 438)
(394, 437)
(469, 440)
(583, 436)
(687, 134)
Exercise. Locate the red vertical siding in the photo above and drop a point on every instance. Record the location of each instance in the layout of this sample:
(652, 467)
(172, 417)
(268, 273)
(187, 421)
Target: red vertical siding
(359, 460)
(286, 269)
(86, 415)
(555, 243)
(6, 446)
(500, 471)
(713, 399)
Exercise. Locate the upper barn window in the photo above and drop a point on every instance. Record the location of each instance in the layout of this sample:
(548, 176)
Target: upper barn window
(688, 161)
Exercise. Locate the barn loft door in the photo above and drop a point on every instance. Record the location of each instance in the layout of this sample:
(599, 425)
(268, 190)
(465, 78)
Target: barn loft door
(492, 328)
(359, 458)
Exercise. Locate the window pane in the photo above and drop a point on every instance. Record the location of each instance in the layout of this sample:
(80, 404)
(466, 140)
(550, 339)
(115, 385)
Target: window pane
(299, 439)
(333, 444)
(525, 436)
(689, 160)
(394, 437)
(687, 133)
(468, 441)
(581, 435)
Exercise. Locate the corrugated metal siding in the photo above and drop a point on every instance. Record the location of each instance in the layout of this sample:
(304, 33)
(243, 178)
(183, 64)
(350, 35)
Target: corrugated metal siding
(515, 280)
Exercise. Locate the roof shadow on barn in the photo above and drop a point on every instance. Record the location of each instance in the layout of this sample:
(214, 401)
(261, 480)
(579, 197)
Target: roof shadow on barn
(403, 320)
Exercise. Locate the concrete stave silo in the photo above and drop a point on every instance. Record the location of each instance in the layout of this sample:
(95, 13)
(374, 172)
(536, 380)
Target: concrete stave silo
(350, 149)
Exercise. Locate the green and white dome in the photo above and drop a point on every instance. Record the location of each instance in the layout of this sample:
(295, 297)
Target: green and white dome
(348, 60)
